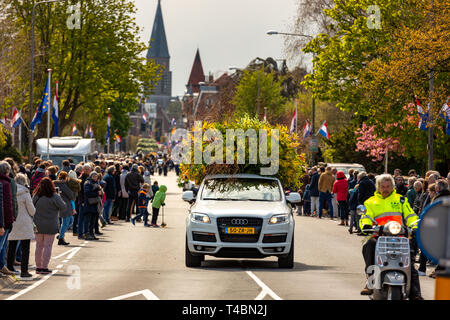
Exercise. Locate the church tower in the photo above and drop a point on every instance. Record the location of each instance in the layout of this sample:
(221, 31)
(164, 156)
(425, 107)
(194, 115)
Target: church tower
(162, 91)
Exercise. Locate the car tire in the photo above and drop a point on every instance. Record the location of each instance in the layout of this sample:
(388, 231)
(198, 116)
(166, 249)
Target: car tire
(191, 260)
(287, 262)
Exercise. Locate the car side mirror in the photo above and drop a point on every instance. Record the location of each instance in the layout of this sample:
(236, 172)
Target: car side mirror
(188, 196)
(294, 197)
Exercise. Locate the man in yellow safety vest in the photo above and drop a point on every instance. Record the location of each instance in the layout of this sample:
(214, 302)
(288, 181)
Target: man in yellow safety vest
(386, 205)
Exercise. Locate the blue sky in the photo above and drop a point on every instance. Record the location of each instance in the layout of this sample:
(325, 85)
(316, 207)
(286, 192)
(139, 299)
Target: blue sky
(227, 32)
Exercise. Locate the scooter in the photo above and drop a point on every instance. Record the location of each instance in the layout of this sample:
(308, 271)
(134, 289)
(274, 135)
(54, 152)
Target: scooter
(390, 277)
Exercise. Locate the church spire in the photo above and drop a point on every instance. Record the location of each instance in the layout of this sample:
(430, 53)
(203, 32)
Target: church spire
(158, 42)
(197, 74)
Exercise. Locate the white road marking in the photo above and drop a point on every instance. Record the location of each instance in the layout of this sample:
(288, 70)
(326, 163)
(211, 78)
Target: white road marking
(146, 293)
(72, 252)
(70, 256)
(266, 290)
(33, 286)
(63, 254)
(261, 295)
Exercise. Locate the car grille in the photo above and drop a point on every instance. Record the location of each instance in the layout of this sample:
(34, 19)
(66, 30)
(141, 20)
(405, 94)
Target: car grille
(225, 222)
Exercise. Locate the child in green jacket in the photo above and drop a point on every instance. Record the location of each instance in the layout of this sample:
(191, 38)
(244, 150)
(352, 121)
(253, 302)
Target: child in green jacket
(157, 202)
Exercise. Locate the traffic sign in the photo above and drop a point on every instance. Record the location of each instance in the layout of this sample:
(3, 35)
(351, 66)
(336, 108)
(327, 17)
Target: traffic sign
(433, 235)
(314, 144)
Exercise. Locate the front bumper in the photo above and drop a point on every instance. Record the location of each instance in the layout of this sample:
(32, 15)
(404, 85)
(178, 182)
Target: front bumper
(208, 241)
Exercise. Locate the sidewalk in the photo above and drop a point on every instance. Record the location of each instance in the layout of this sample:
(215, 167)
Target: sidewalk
(58, 254)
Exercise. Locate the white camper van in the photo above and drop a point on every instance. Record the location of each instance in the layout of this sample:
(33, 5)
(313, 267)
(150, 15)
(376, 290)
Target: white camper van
(62, 148)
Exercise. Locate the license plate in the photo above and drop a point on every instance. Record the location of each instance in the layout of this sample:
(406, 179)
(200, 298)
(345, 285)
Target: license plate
(239, 230)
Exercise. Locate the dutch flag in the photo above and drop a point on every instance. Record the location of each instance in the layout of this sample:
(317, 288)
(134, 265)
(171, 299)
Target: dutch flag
(424, 115)
(55, 110)
(16, 119)
(144, 118)
(74, 130)
(294, 121)
(323, 131)
(445, 113)
(306, 130)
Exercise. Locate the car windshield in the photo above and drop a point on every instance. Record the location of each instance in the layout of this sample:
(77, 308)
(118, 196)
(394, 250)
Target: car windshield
(241, 189)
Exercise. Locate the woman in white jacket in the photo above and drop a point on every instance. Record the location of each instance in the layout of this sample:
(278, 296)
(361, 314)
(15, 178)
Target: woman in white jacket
(22, 229)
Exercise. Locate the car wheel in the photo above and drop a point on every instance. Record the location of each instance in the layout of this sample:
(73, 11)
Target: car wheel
(288, 261)
(191, 260)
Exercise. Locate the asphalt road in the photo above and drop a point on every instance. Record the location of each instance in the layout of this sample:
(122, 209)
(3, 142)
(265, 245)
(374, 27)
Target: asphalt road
(133, 262)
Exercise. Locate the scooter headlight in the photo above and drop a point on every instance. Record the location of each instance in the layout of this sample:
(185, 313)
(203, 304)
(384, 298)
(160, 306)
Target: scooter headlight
(394, 227)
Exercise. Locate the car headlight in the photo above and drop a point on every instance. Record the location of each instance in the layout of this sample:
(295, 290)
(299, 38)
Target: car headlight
(394, 227)
(279, 218)
(200, 218)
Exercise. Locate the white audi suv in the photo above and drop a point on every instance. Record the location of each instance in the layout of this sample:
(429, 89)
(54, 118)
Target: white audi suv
(240, 216)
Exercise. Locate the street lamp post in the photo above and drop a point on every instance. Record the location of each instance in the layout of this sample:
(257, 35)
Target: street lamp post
(33, 18)
(313, 99)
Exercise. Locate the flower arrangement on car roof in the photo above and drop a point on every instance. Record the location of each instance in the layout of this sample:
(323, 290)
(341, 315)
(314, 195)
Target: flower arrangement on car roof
(214, 140)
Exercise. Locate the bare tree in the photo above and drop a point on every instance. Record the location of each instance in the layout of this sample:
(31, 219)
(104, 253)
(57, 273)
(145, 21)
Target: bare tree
(310, 20)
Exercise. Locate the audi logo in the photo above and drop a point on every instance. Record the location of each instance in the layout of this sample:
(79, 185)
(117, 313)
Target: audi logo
(242, 222)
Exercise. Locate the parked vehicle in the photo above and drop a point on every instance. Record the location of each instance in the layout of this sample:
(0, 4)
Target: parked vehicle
(61, 148)
(240, 216)
(347, 166)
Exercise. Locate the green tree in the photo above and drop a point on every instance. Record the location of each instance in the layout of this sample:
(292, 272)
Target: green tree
(374, 71)
(341, 56)
(270, 97)
(146, 145)
(6, 147)
(2, 137)
(98, 66)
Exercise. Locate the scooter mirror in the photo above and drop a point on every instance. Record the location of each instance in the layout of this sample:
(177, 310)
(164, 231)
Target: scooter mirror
(361, 208)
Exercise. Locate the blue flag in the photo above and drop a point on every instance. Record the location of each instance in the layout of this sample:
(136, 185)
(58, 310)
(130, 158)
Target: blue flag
(108, 128)
(445, 114)
(55, 113)
(43, 107)
(447, 120)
